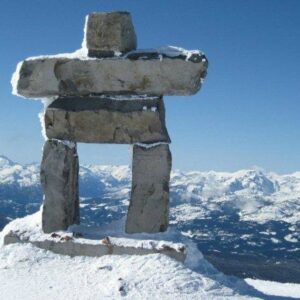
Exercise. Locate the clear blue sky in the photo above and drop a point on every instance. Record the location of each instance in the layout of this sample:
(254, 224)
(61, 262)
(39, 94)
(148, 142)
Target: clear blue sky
(247, 113)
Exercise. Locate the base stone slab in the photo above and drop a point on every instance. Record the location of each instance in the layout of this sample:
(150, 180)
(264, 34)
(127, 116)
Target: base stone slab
(66, 244)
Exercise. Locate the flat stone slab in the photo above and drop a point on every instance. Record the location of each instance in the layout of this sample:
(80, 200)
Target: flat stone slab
(151, 73)
(67, 244)
(103, 120)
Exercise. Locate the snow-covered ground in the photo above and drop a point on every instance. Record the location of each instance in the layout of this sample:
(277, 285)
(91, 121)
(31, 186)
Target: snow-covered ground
(275, 288)
(27, 272)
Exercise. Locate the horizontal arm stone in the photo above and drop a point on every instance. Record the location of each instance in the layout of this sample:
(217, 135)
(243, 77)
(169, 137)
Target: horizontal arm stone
(100, 120)
(139, 73)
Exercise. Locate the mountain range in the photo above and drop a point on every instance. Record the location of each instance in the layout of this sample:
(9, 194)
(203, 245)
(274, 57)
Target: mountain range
(246, 223)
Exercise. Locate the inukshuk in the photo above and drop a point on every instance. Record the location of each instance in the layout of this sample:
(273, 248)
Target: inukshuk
(109, 92)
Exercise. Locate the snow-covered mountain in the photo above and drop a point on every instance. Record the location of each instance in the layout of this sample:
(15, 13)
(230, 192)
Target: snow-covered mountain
(249, 216)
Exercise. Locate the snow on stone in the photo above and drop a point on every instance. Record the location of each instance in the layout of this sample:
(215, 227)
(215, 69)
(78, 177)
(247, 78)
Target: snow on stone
(129, 97)
(46, 102)
(32, 231)
(81, 54)
(148, 146)
(168, 51)
(83, 45)
(173, 51)
(15, 78)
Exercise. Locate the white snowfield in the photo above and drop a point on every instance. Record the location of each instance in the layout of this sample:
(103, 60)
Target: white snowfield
(275, 288)
(27, 272)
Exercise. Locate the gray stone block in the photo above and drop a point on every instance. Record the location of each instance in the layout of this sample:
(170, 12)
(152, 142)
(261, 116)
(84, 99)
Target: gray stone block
(59, 178)
(109, 32)
(101, 120)
(107, 246)
(158, 75)
(149, 204)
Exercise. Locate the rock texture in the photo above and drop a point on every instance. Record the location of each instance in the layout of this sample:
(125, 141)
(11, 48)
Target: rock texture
(86, 112)
(59, 178)
(106, 33)
(102, 120)
(58, 76)
(108, 246)
(149, 204)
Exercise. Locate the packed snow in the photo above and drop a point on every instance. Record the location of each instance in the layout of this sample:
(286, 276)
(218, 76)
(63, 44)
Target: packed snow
(276, 288)
(27, 272)
(30, 273)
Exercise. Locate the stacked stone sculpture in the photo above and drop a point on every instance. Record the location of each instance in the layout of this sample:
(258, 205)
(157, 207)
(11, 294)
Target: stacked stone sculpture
(111, 94)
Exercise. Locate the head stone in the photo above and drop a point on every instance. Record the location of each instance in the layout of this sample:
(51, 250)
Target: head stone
(107, 33)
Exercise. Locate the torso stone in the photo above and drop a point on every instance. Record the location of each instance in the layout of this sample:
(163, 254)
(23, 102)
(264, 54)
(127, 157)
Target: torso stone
(101, 120)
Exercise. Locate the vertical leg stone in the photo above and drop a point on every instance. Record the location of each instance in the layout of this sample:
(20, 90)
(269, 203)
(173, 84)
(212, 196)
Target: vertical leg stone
(149, 204)
(59, 178)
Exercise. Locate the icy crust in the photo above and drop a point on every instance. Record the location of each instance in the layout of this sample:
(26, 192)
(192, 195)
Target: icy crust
(149, 146)
(69, 144)
(15, 79)
(167, 52)
(153, 276)
(46, 102)
(129, 97)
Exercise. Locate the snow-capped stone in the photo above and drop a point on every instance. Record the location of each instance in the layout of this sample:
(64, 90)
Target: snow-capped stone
(78, 241)
(102, 120)
(63, 76)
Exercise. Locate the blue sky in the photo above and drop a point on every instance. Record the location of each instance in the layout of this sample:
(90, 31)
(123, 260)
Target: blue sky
(247, 113)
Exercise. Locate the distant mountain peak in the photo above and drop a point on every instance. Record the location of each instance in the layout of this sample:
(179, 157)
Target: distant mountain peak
(5, 161)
